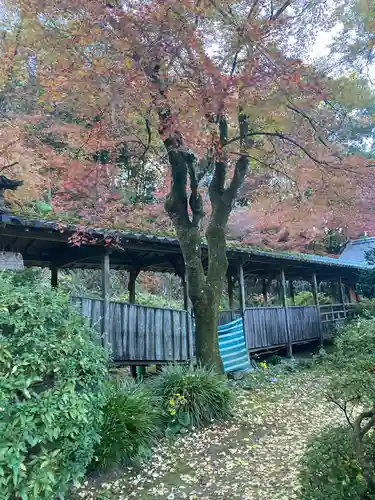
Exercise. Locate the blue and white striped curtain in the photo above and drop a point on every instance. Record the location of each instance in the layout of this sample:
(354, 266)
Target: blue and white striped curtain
(232, 346)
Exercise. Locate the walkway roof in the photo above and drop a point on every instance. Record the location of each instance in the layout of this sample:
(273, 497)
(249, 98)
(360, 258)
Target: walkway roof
(44, 243)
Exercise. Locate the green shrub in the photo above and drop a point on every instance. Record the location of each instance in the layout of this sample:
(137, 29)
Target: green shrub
(366, 284)
(357, 337)
(131, 423)
(364, 308)
(274, 360)
(192, 396)
(329, 467)
(52, 378)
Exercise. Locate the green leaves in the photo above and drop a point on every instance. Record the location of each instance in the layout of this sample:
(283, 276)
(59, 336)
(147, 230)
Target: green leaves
(330, 469)
(51, 391)
(131, 425)
(193, 396)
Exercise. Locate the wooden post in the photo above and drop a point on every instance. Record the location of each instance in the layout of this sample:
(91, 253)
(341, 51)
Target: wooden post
(54, 275)
(241, 277)
(285, 305)
(279, 290)
(230, 290)
(187, 307)
(291, 292)
(230, 281)
(185, 289)
(131, 286)
(242, 290)
(316, 300)
(264, 291)
(342, 297)
(106, 296)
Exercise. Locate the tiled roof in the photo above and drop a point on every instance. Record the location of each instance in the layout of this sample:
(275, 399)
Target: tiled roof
(350, 259)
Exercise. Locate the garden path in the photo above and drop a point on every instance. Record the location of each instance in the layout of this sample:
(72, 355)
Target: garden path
(254, 457)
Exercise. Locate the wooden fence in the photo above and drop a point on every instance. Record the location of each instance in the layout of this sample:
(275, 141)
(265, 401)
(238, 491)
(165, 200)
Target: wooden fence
(149, 334)
(266, 327)
(138, 333)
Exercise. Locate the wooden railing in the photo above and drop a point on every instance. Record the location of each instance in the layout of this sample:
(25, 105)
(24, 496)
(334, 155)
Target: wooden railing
(334, 313)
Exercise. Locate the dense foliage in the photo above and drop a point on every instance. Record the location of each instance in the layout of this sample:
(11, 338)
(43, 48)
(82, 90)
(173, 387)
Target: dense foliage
(330, 468)
(52, 379)
(192, 396)
(131, 424)
(366, 282)
(343, 461)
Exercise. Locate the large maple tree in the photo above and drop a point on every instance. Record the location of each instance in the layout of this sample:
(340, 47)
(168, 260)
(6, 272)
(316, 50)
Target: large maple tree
(202, 92)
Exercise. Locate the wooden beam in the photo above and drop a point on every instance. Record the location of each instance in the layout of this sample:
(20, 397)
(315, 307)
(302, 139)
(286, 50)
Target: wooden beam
(316, 300)
(106, 296)
(285, 305)
(54, 275)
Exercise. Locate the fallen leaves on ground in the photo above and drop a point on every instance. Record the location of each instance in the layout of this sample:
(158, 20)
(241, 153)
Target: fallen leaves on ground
(253, 457)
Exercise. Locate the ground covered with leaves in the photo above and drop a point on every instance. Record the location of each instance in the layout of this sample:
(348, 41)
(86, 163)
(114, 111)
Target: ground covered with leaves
(253, 457)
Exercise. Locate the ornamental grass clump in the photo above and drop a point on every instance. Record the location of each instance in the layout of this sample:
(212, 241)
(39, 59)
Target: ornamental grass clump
(192, 396)
(131, 425)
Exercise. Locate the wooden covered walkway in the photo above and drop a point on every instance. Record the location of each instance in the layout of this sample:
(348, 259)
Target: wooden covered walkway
(145, 335)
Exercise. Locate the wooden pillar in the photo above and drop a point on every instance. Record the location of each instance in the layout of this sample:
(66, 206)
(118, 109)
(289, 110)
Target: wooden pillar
(230, 282)
(342, 296)
(279, 290)
(187, 307)
(185, 289)
(106, 296)
(131, 286)
(291, 292)
(285, 305)
(242, 289)
(316, 300)
(264, 291)
(54, 275)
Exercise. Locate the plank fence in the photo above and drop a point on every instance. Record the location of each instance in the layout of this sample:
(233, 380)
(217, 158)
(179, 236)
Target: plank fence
(149, 334)
(138, 333)
(266, 327)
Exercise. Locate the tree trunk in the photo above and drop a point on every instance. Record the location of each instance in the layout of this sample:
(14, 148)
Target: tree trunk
(206, 320)
(204, 294)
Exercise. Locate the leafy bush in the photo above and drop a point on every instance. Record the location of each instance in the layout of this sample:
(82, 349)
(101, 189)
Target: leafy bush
(192, 396)
(330, 469)
(132, 420)
(364, 308)
(274, 360)
(52, 378)
(352, 388)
